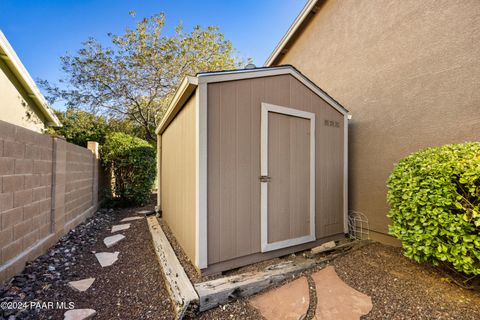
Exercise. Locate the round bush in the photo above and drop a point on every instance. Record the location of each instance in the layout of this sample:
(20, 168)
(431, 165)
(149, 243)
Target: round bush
(133, 163)
(434, 195)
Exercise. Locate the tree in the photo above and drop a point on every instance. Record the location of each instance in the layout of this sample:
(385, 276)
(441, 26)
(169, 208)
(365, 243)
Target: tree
(136, 77)
(133, 164)
(81, 126)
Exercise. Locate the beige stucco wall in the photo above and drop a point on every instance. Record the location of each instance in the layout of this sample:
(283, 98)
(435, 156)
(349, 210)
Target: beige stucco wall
(177, 177)
(409, 72)
(15, 105)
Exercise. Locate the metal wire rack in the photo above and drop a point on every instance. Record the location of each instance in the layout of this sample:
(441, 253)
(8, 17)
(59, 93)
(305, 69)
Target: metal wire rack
(358, 227)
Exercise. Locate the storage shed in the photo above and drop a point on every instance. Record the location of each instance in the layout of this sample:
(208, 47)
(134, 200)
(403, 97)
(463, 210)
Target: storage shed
(252, 165)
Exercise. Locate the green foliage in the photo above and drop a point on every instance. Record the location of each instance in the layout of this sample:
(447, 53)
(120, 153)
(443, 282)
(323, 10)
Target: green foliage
(79, 127)
(136, 76)
(434, 196)
(133, 163)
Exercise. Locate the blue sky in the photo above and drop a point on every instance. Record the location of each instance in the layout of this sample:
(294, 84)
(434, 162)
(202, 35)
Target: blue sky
(42, 31)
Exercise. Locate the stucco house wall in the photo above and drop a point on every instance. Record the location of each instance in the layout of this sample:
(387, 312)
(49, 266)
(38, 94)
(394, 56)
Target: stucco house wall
(21, 102)
(408, 71)
(15, 104)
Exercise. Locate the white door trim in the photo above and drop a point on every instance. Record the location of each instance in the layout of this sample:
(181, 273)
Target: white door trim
(266, 108)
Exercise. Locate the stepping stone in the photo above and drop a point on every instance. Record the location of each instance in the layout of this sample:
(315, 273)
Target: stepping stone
(336, 299)
(120, 227)
(113, 240)
(131, 219)
(79, 314)
(289, 301)
(107, 258)
(145, 212)
(81, 285)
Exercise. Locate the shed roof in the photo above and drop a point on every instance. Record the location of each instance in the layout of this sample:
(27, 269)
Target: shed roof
(189, 84)
(18, 69)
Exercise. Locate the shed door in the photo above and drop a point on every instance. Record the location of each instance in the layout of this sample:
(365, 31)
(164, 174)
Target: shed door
(287, 180)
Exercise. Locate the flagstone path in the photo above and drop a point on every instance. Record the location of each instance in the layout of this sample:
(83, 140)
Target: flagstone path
(120, 227)
(131, 219)
(289, 301)
(105, 259)
(79, 314)
(81, 285)
(335, 299)
(113, 240)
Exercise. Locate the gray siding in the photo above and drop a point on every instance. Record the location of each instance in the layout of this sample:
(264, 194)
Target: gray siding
(234, 114)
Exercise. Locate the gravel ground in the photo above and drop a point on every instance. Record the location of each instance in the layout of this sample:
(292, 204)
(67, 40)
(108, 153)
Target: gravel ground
(403, 289)
(133, 287)
(239, 309)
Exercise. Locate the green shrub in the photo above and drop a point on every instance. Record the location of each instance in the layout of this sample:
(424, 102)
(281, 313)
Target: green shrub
(434, 195)
(133, 163)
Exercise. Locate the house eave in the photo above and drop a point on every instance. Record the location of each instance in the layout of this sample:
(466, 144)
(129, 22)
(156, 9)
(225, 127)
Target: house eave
(310, 7)
(20, 72)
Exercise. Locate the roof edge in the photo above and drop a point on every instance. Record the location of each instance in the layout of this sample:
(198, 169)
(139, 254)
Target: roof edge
(309, 6)
(8, 54)
(183, 92)
(229, 75)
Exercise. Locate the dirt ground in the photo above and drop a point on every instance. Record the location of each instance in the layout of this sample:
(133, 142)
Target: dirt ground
(403, 289)
(399, 287)
(133, 287)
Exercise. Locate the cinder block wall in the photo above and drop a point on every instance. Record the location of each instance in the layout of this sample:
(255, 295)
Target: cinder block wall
(47, 187)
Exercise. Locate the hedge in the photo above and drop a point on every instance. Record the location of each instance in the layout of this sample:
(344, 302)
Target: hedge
(133, 163)
(434, 196)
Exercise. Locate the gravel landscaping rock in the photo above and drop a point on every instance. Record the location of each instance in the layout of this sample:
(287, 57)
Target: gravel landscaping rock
(403, 289)
(55, 268)
(133, 287)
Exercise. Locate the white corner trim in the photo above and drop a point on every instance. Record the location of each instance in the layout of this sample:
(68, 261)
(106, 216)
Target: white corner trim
(345, 174)
(183, 92)
(291, 31)
(8, 54)
(265, 245)
(201, 245)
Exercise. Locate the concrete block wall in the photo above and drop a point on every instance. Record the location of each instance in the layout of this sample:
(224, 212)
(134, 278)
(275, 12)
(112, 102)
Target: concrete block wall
(47, 187)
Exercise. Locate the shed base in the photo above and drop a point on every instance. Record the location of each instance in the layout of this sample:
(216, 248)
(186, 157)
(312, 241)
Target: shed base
(258, 257)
